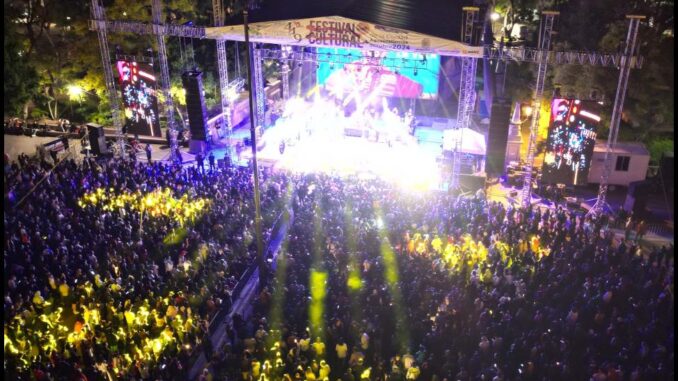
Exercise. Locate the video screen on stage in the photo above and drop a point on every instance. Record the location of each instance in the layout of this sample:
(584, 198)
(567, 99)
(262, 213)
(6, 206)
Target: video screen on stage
(570, 142)
(400, 74)
(138, 84)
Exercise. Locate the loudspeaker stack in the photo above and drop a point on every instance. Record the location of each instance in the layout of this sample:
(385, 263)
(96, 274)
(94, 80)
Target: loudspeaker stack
(195, 104)
(497, 137)
(97, 140)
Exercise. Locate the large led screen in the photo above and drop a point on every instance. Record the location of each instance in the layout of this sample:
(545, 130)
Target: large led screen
(397, 74)
(139, 96)
(570, 142)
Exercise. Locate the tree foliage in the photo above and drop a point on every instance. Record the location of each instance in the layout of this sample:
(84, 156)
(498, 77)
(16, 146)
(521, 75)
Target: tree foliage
(20, 77)
(601, 26)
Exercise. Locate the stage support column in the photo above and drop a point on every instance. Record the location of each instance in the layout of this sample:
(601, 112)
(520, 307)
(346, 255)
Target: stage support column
(99, 17)
(285, 73)
(261, 261)
(222, 65)
(546, 29)
(624, 70)
(158, 26)
(467, 93)
(259, 92)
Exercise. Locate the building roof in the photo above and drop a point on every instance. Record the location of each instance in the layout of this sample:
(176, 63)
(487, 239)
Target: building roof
(439, 18)
(629, 148)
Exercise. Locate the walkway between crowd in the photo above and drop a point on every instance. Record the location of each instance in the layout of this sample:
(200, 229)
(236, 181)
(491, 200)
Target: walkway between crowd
(243, 303)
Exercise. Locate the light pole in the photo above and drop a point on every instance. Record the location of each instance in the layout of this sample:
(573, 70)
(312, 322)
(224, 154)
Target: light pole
(261, 262)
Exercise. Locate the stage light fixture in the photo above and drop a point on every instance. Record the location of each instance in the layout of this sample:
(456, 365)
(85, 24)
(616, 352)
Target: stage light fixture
(415, 71)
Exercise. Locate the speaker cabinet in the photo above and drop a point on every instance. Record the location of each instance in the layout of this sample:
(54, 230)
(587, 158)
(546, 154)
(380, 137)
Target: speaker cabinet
(195, 104)
(97, 140)
(636, 197)
(497, 137)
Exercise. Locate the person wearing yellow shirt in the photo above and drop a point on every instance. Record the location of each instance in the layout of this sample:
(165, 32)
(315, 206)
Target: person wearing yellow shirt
(310, 376)
(437, 244)
(324, 371)
(304, 344)
(63, 289)
(37, 299)
(319, 348)
(256, 369)
(413, 373)
(342, 350)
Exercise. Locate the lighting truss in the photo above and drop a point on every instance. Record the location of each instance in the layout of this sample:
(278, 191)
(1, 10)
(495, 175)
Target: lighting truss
(522, 54)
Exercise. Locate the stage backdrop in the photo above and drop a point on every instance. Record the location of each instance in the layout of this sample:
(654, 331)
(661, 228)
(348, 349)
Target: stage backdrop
(342, 32)
(138, 85)
(404, 75)
(570, 141)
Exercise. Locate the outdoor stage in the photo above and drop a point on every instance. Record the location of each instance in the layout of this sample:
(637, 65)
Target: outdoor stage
(318, 137)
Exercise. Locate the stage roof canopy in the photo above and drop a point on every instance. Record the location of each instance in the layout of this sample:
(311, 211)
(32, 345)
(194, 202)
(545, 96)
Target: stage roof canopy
(420, 26)
(439, 18)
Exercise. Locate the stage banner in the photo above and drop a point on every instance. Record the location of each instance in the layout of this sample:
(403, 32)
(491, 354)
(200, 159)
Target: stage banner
(341, 32)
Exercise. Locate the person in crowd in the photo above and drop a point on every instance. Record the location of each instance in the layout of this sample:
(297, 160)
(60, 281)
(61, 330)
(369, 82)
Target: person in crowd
(211, 159)
(200, 162)
(149, 151)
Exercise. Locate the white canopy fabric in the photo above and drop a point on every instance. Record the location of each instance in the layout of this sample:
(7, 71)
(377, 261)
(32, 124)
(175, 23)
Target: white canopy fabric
(342, 32)
(472, 142)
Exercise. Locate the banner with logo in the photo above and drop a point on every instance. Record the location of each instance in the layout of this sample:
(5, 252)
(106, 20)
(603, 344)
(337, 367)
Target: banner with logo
(341, 32)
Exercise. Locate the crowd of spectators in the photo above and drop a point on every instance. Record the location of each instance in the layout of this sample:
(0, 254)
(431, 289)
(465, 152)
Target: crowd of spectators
(95, 293)
(371, 282)
(436, 287)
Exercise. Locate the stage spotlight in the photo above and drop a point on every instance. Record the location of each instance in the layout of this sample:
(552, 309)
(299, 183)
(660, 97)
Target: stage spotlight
(299, 64)
(415, 71)
(317, 65)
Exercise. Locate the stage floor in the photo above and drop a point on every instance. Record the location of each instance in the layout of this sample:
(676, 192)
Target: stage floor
(411, 163)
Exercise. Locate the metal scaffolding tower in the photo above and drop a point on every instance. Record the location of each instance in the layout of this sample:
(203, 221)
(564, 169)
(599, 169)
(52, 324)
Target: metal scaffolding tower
(222, 65)
(259, 94)
(545, 31)
(165, 77)
(624, 70)
(466, 92)
(285, 74)
(99, 20)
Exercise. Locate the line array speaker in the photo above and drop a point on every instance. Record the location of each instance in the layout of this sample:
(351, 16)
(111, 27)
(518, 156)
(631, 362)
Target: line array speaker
(497, 137)
(195, 104)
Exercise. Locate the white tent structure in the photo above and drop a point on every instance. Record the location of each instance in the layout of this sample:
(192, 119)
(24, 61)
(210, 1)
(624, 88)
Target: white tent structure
(472, 142)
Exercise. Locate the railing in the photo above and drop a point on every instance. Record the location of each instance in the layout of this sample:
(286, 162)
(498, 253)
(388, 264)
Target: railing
(245, 277)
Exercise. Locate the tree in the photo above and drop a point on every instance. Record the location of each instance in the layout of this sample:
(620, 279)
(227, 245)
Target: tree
(20, 77)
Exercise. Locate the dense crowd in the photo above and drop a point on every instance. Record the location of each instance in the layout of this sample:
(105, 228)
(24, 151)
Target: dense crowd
(435, 287)
(100, 290)
(370, 283)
